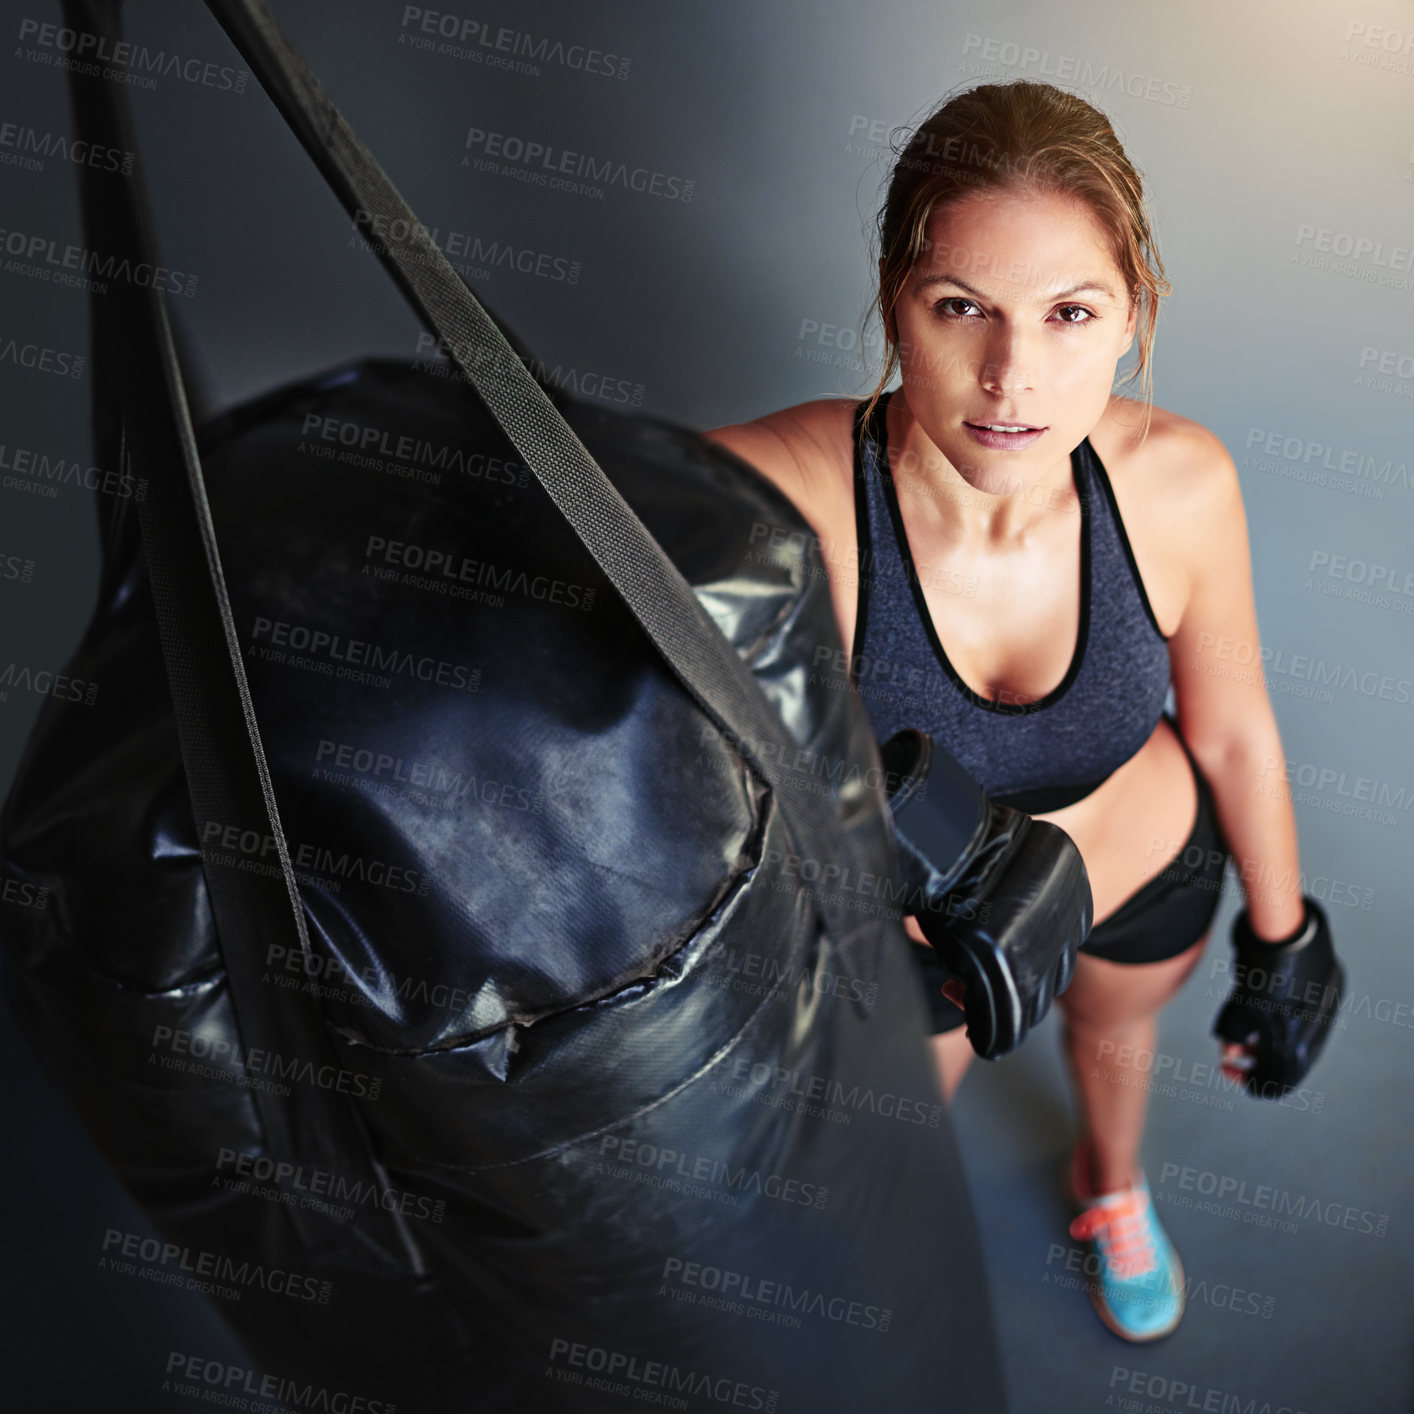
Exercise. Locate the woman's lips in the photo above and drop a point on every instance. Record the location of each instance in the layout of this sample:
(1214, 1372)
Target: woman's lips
(984, 435)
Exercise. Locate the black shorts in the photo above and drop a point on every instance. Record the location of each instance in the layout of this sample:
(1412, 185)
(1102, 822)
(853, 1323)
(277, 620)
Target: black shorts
(1162, 919)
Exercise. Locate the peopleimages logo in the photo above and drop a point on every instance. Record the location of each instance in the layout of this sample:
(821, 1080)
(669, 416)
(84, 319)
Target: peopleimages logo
(126, 62)
(1279, 1201)
(1322, 456)
(29, 148)
(500, 46)
(650, 1381)
(311, 1186)
(1380, 47)
(42, 359)
(231, 1060)
(548, 165)
(1072, 68)
(637, 1158)
(1176, 1394)
(743, 1292)
(45, 474)
(403, 560)
(214, 1273)
(275, 640)
(215, 1382)
(46, 684)
(467, 253)
(35, 254)
(248, 847)
(779, 1088)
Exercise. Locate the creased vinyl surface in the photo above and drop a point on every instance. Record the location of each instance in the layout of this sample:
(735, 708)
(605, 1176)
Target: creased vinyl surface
(576, 987)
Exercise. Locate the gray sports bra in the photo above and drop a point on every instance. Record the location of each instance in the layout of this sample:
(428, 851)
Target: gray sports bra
(1035, 756)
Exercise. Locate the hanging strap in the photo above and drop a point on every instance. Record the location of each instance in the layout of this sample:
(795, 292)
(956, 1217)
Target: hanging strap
(140, 416)
(656, 593)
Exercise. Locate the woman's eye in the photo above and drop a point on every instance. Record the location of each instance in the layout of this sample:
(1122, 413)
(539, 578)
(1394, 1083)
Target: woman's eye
(1075, 309)
(948, 306)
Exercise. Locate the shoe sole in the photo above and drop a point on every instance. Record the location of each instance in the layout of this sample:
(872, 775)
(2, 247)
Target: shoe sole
(1097, 1299)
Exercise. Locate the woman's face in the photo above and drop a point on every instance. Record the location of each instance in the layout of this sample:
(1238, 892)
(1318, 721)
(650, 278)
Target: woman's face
(1015, 314)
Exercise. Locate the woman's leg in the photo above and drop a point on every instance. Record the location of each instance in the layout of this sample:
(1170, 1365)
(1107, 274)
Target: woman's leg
(1110, 1015)
(952, 1053)
(1106, 1001)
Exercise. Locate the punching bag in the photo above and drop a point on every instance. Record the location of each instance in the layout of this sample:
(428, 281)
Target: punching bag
(553, 1045)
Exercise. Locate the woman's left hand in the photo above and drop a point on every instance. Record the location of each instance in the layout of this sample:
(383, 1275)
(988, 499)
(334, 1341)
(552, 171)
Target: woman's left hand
(1237, 1061)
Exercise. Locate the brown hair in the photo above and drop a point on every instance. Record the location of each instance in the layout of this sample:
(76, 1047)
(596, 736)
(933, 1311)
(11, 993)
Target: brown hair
(1017, 136)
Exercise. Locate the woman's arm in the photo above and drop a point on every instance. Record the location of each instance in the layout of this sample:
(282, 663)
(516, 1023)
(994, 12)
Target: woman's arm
(1224, 712)
(771, 448)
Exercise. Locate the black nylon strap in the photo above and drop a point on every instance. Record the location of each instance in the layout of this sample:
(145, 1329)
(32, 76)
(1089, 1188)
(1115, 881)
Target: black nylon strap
(650, 584)
(141, 415)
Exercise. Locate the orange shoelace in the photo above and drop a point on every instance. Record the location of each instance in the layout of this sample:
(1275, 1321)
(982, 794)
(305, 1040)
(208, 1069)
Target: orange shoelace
(1122, 1231)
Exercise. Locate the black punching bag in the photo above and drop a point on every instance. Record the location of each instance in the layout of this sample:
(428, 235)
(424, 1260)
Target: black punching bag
(580, 1094)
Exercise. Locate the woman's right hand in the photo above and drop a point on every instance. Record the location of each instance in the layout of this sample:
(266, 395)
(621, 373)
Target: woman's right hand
(952, 989)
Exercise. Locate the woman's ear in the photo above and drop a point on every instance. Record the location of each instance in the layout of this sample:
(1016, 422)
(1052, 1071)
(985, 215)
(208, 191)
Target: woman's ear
(1131, 327)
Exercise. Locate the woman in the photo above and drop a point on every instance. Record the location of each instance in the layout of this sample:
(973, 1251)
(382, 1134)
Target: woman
(1021, 561)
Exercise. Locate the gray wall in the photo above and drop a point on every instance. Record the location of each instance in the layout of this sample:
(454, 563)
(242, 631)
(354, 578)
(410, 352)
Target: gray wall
(1278, 144)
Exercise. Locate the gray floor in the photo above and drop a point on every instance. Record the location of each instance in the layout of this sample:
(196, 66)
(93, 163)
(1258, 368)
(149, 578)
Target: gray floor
(1318, 1319)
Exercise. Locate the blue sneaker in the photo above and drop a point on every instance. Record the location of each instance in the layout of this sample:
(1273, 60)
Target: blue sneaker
(1139, 1291)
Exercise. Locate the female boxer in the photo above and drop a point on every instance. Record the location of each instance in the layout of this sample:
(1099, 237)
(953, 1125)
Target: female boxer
(1022, 561)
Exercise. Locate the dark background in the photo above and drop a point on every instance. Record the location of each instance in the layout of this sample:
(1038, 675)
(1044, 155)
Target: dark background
(751, 297)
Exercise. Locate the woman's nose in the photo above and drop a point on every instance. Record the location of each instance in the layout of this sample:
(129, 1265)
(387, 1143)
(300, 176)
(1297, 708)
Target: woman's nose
(1008, 364)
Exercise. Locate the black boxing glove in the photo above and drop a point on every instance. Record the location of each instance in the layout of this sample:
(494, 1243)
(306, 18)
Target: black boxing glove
(1283, 1001)
(1003, 899)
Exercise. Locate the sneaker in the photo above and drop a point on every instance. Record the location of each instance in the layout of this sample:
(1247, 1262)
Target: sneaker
(1139, 1293)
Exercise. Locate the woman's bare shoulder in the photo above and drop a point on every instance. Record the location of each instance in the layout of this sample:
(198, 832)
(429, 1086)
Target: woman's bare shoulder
(1179, 498)
(1179, 470)
(806, 450)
